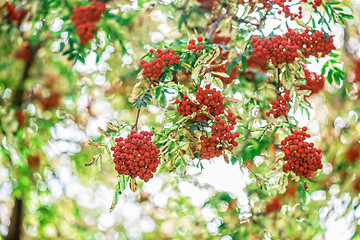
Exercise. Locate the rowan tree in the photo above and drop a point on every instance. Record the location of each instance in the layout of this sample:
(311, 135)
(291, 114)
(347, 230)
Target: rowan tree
(148, 95)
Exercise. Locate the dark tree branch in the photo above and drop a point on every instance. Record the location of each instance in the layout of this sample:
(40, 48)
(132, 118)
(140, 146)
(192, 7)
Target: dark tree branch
(16, 221)
(215, 26)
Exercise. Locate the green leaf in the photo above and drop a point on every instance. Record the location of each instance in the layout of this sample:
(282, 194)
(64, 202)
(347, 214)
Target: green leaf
(62, 46)
(163, 100)
(119, 188)
(138, 106)
(329, 76)
(337, 77)
(193, 128)
(243, 62)
(218, 82)
(348, 16)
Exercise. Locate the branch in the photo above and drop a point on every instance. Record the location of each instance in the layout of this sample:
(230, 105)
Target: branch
(138, 112)
(20, 90)
(215, 26)
(16, 221)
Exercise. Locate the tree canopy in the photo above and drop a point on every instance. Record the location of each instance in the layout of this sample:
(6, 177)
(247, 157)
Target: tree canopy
(206, 119)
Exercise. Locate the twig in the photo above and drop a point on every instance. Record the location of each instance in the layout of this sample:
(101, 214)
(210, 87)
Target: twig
(138, 112)
(215, 26)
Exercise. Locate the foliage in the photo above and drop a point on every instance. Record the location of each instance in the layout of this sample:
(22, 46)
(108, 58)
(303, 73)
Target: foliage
(203, 78)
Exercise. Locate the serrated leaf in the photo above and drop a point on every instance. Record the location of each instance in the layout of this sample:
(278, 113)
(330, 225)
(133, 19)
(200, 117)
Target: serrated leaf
(348, 16)
(195, 73)
(336, 77)
(218, 82)
(221, 74)
(62, 46)
(243, 62)
(163, 100)
(304, 92)
(119, 188)
(186, 65)
(193, 128)
(301, 23)
(329, 76)
(138, 105)
(103, 133)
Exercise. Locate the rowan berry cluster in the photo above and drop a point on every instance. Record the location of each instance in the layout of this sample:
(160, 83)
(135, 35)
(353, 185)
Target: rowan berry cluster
(314, 82)
(209, 148)
(274, 205)
(221, 137)
(12, 14)
(192, 44)
(353, 153)
(222, 131)
(211, 98)
(281, 106)
(315, 44)
(136, 155)
(187, 107)
(85, 19)
(154, 68)
(266, 3)
(301, 157)
(208, 5)
(254, 63)
(277, 50)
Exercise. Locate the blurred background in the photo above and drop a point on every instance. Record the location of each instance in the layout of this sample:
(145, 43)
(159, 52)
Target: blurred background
(55, 93)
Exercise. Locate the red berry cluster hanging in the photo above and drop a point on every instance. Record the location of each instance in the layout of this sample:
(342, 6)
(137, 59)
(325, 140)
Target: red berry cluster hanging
(314, 82)
(222, 131)
(267, 4)
(301, 157)
(277, 50)
(316, 44)
(12, 14)
(187, 107)
(221, 137)
(192, 44)
(136, 155)
(281, 106)
(209, 148)
(286, 9)
(85, 19)
(211, 98)
(154, 68)
(353, 153)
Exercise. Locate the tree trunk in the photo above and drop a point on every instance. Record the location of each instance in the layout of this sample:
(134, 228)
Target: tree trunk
(16, 221)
